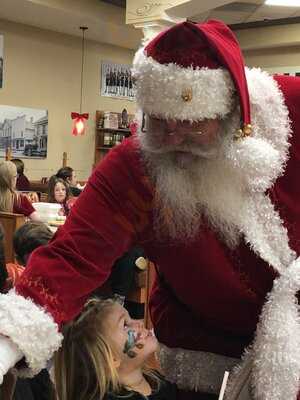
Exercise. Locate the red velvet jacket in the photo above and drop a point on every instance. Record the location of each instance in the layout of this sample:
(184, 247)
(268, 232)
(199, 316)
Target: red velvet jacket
(213, 296)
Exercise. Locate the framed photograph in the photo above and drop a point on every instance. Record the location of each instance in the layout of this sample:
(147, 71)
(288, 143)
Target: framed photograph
(24, 131)
(1, 61)
(116, 81)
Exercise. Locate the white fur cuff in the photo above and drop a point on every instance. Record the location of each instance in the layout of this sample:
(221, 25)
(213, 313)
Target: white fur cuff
(31, 329)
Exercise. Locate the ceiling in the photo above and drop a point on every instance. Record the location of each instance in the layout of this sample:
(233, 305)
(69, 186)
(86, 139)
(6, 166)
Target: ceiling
(119, 3)
(106, 19)
(237, 12)
(245, 11)
(105, 22)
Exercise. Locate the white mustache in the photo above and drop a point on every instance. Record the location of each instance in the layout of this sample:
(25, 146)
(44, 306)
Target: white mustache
(195, 150)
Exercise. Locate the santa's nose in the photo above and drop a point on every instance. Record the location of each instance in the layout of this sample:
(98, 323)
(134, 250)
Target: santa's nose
(173, 135)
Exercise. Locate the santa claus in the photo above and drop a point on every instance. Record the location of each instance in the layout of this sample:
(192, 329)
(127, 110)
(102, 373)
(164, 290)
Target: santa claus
(209, 188)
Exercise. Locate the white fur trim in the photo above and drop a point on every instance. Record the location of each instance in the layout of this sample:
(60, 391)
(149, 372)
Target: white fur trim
(261, 158)
(159, 90)
(276, 369)
(31, 329)
(265, 233)
(257, 162)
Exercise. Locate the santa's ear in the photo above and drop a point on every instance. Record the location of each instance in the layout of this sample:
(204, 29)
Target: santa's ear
(257, 162)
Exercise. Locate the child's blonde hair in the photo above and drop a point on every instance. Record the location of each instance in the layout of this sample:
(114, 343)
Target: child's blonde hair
(8, 195)
(84, 365)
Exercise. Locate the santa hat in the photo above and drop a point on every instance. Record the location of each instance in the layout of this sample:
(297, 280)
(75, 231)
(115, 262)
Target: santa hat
(191, 72)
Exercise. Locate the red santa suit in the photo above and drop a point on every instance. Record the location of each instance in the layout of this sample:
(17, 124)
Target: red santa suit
(208, 297)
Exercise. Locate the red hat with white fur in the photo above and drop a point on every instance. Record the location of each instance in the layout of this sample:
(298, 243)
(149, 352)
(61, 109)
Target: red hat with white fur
(192, 72)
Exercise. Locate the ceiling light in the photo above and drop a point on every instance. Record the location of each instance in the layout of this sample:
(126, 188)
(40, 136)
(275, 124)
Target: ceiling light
(283, 3)
(79, 119)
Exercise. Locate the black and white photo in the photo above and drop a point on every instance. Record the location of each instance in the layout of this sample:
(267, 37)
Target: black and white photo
(24, 131)
(116, 81)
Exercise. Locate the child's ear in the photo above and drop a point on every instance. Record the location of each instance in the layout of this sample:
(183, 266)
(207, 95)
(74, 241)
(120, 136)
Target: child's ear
(116, 361)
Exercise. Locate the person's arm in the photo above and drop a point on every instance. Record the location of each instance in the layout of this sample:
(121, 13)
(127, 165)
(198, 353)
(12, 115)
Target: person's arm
(59, 277)
(34, 216)
(22, 205)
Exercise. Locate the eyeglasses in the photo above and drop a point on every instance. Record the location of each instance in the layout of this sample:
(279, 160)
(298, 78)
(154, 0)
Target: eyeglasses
(172, 127)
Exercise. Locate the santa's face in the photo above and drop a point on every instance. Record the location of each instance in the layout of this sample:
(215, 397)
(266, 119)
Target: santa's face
(184, 140)
(187, 165)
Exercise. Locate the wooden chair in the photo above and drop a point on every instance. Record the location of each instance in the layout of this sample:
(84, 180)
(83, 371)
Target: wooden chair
(38, 186)
(10, 222)
(151, 274)
(138, 292)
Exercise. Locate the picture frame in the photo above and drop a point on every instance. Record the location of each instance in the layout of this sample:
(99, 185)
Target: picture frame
(116, 81)
(24, 131)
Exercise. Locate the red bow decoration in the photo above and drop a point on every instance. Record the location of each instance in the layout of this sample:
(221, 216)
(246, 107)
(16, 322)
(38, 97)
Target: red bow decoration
(79, 123)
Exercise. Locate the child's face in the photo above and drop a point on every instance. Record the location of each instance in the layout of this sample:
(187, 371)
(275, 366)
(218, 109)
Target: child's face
(117, 328)
(60, 192)
(73, 180)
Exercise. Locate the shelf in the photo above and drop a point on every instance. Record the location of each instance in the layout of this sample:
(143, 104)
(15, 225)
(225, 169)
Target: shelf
(108, 135)
(121, 130)
(104, 147)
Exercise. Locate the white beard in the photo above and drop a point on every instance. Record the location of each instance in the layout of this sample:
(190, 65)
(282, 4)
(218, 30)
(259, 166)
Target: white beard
(209, 188)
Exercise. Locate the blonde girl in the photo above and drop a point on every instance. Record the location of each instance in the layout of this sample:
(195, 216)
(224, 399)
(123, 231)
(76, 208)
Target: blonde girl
(103, 356)
(10, 199)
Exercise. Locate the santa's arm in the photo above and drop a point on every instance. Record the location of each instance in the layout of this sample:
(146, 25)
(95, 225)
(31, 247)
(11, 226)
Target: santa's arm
(61, 276)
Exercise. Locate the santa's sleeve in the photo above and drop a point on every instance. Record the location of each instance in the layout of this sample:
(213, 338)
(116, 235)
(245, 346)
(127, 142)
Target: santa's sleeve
(60, 276)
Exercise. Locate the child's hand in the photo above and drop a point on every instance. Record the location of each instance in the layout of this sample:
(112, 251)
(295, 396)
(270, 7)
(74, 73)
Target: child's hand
(61, 212)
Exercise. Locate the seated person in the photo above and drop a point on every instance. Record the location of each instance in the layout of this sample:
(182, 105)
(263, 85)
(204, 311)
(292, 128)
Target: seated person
(26, 239)
(110, 350)
(23, 183)
(68, 175)
(10, 199)
(59, 192)
(9, 273)
(29, 237)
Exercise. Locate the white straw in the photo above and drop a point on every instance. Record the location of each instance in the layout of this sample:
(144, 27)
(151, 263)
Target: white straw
(223, 387)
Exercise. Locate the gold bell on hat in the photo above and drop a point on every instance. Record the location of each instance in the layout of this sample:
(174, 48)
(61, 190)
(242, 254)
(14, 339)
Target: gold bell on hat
(187, 94)
(243, 132)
